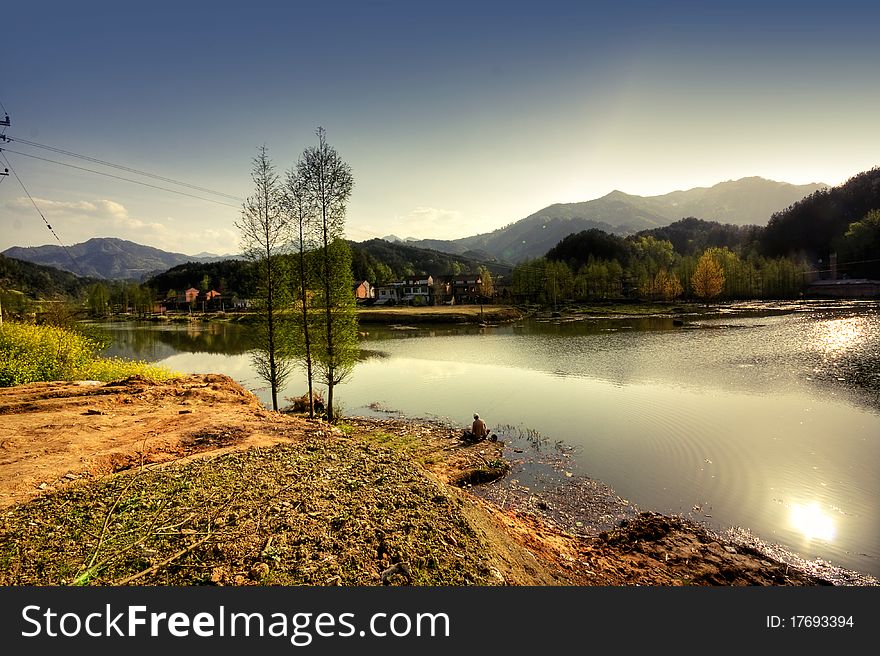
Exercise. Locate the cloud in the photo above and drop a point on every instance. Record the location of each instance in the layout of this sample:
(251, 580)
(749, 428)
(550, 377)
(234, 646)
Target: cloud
(79, 220)
(97, 209)
(220, 241)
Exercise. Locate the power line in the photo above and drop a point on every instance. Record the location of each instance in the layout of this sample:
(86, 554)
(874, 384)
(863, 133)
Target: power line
(48, 225)
(125, 168)
(119, 177)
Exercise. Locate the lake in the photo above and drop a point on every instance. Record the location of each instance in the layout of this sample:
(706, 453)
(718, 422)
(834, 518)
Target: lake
(762, 416)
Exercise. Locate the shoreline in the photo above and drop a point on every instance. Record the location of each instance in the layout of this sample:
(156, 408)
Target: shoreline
(492, 314)
(258, 498)
(539, 486)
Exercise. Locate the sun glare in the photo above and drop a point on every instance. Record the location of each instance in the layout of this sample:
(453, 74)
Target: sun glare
(840, 335)
(812, 523)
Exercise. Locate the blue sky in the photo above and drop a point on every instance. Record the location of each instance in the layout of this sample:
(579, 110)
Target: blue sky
(457, 117)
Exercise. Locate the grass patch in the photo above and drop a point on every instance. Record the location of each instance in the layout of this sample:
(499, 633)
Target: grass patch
(317, 513)
(31, 353)
(404, 443)
(412, 446)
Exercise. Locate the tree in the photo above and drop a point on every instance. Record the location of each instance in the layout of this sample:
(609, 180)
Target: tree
(327, 181)
(558, 282)
(528, 279)
(205, 287)
(487, 287)
(667, 285)
(708, 279)
(335, 365)
(99, 297)
(301, 219)
(263, 230)
(859, 247)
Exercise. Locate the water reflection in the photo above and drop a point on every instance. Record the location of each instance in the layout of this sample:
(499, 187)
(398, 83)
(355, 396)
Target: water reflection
(841, 334)
(154, 342)
(739, 423)
(811, 522)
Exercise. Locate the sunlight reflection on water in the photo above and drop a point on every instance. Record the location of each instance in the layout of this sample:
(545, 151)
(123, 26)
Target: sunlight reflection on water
(812, 522)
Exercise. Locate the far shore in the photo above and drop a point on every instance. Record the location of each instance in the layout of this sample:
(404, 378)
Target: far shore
(441, 314)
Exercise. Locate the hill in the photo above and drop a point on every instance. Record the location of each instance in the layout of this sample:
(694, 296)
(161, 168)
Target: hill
(816, 225)
(741, 202)
(106, 258)
(39, 281)
(229, 277)
(692, 236)
(377, 260)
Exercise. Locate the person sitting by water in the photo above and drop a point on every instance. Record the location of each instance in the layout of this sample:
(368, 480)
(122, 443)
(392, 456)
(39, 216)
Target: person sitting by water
(479, 430)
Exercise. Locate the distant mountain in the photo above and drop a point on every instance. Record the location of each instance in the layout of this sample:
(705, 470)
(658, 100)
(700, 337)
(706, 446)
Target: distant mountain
(107, 258)
(748, 201)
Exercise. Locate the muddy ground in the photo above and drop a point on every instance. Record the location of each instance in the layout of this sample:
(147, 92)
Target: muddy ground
(194, 482)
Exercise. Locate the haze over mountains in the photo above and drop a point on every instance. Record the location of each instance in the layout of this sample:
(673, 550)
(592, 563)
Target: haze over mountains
(748, 201)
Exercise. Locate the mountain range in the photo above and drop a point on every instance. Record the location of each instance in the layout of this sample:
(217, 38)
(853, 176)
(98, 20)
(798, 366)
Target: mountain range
(108, 258)
(747, 201)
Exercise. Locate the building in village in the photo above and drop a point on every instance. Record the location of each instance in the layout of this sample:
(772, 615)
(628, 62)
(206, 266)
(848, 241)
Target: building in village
(193, 299)
(417, 291)
(427, 290)
(363, 290)
(464, 289)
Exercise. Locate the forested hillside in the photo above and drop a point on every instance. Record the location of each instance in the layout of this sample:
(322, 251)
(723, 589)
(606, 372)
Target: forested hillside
(40, 282)
(818, 225)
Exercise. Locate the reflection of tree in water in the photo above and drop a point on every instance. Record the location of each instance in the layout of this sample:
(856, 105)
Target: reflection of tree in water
(154, 343)
(370, 354)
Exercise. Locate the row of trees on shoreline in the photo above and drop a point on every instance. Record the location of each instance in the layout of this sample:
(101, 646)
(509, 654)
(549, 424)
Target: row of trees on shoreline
(292, 230)
(593, 265)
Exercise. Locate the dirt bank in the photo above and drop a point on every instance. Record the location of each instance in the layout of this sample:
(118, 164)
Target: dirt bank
(194, 482)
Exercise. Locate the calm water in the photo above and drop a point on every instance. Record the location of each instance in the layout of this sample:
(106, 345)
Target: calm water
(767, 419)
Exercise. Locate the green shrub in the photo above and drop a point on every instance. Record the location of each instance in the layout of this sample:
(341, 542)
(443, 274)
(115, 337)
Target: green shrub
(30, 353)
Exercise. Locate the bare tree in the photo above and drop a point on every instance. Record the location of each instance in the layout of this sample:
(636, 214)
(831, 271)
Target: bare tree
(328, 182)
(263, 233)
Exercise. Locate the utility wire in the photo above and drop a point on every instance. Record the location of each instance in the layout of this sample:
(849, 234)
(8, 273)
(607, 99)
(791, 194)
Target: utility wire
(118, 177)
(125, 168)
(48, 225)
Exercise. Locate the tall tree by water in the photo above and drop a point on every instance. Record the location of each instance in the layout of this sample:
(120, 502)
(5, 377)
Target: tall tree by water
(708, 279)
(334, 366)
(300, 209)
(328, 182)
(263, 234)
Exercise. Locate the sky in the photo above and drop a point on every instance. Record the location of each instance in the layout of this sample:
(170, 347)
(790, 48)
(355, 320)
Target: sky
(457, 118)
